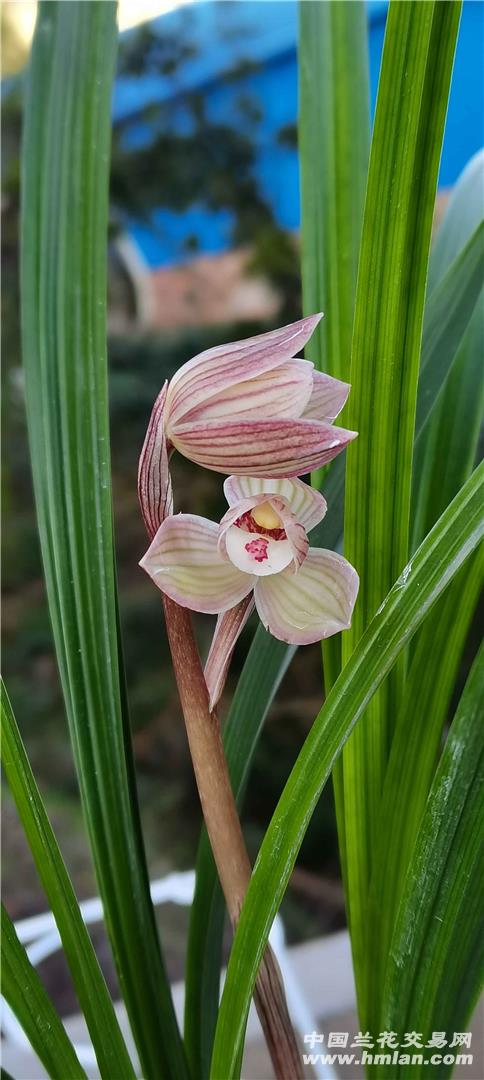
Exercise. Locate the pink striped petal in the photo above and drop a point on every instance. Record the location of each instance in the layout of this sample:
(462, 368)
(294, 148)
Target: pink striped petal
(154, 482)
(262, 447)
(328, 397)
(184, 562)
(295, 532)
(315, 603)
(284, 391)
(229, 626)
(214, 370)
(306, 503)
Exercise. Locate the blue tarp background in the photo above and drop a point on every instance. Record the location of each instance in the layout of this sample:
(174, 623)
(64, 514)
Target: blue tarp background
(227, 33)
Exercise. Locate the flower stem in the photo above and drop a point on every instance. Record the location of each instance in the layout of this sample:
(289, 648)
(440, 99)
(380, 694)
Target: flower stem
(224, 830)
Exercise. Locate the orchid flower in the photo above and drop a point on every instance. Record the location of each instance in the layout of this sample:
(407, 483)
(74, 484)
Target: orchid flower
(246, 407)
(302, 594)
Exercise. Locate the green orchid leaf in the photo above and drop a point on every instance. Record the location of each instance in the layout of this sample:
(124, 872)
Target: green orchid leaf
(93, 994)
(268, 659)
(405, 153)
(65, 164)
(439, 558)
(447, 317)
(437, 953)
(334, 145)
(446, 456)
(426, 700)
(463, 214)
(439, 645)
(334, 142)
(24, 993)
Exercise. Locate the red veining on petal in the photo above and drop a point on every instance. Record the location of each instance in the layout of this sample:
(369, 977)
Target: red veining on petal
(258, 548)
(246, 522)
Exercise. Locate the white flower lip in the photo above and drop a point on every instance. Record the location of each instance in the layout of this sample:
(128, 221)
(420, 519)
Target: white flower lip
(256, 553)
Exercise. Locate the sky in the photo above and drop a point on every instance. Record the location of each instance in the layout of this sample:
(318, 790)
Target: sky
(20, 14)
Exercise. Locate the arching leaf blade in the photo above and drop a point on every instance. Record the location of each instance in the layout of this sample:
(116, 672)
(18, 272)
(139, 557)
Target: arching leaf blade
(425, 704)
(65, 164)
(439, 558)
(93, 994)
(25, 994)
(405, 154)
(437, 954)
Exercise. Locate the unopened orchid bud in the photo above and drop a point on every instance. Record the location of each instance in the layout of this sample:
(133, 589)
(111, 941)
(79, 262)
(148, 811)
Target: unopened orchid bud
(246, 407)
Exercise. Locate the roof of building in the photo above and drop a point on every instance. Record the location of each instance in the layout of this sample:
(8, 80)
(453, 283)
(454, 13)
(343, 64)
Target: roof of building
(225, 35)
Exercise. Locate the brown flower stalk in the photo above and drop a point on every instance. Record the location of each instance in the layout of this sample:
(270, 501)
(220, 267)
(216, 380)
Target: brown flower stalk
(224, 830)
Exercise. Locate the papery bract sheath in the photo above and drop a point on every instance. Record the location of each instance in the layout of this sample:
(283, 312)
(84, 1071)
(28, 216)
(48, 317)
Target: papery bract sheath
(154, 481)
(225, 636)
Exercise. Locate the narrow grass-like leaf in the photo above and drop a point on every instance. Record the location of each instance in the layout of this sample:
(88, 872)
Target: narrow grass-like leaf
(93, 994)
(447, 316)
(437, 954)
(334, 139)
(263, 671)
(334, 144)
(25, 994)
(266, 664)
(462, 216)
(65, 162)
(439, 558)
(438, 646)
(404, 160)
(423, 712)
(446, 456)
